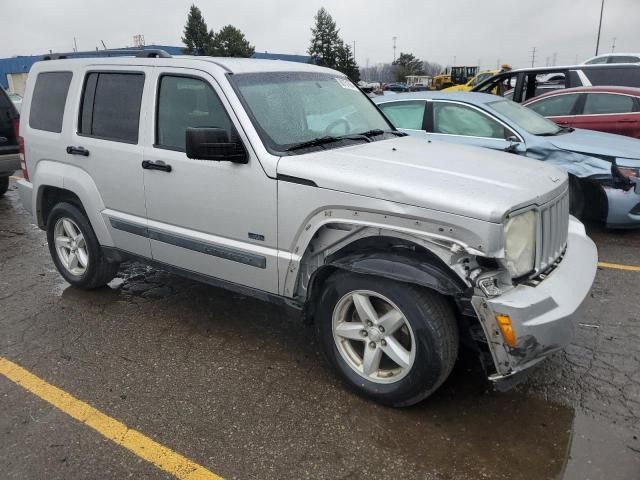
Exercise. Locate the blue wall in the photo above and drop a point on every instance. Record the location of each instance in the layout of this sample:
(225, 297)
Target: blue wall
(23, 64)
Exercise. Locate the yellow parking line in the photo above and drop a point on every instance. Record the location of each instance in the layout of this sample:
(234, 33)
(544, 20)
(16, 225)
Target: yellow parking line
(151, 451)
(619, 266)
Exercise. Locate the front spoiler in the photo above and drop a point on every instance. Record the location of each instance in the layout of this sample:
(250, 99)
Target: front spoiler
(542, 315)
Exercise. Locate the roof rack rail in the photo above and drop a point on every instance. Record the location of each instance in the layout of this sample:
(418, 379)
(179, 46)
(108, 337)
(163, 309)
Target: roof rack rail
(148, 53)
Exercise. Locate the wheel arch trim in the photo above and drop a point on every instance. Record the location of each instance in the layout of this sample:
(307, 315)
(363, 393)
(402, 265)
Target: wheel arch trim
(78, 182)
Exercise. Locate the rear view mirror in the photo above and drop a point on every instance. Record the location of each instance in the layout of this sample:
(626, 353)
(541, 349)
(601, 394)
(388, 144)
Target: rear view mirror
(212, 143)
(514, 143)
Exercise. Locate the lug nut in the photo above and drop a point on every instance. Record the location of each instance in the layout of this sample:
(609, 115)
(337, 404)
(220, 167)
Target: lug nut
(372, 344)
(369, 323)
(364, 333)
(381, 329)
(384, 343)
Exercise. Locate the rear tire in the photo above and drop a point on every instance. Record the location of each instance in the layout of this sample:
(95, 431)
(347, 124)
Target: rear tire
(4, 185)
(415, 353)
(576, 197)
(75, 249)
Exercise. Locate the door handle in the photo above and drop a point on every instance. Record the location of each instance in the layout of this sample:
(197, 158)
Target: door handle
(71, 150)
(159, 165)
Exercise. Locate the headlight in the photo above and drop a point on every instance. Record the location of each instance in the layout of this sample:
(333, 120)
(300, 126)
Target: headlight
(520, 243)
(630, 173)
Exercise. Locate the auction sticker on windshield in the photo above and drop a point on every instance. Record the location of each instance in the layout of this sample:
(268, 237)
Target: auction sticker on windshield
(344, 83)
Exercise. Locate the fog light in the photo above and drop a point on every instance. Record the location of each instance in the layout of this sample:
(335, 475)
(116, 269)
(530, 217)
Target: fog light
(509, 335)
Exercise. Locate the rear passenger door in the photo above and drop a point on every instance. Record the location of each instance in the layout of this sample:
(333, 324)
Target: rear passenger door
(214, 218)
(612, 113)
(106, 144)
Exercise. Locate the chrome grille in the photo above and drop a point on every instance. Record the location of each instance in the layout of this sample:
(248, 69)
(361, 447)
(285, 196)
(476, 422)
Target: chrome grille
(554, 227)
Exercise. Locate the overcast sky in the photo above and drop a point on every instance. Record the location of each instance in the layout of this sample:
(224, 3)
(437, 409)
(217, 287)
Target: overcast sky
(435, 30)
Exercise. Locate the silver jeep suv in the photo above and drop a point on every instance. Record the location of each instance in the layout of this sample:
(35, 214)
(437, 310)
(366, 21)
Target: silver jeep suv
(284, 181)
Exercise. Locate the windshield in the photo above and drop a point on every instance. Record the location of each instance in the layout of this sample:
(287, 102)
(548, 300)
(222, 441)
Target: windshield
(481, 77)
(291, 108)
(525, 118)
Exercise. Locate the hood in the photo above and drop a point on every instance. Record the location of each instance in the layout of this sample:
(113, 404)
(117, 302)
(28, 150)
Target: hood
(590, 142)
(469, 181)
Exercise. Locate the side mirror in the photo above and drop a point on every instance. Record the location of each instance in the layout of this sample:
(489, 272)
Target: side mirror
(212, 143)
(514, 143)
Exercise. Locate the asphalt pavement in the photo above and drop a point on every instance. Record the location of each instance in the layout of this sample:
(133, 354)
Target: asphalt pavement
(239, 387)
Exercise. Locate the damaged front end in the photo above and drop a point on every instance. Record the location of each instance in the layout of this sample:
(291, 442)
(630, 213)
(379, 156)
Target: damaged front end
(533, 318)
(611, 183)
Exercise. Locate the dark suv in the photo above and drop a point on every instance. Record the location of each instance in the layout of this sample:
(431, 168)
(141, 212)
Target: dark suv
(525, 83)
(9, 152)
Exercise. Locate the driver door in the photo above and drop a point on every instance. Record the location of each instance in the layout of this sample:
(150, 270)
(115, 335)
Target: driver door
(457, 122)
(214, 218)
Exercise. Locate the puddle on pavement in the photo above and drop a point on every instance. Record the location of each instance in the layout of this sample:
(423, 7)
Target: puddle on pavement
(465, 431)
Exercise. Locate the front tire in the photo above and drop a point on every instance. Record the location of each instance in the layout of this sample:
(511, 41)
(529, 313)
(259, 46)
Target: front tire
(391, 342)
(576, 197)
(75, 249)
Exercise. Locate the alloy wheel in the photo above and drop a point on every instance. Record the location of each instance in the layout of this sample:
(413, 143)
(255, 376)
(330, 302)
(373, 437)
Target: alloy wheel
(71, 246)
(373, 336)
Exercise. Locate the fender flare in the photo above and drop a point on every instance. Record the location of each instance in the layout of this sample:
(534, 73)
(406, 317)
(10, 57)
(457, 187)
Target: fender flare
(418, 268)
(78, 182)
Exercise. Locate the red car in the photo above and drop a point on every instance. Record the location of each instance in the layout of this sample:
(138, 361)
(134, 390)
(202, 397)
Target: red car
(606, 109)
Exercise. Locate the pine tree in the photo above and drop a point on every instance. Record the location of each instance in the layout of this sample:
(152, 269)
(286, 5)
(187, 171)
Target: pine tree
(325, 40)
(197, 37)
(347, 62)
(407, 64)
(230, 42)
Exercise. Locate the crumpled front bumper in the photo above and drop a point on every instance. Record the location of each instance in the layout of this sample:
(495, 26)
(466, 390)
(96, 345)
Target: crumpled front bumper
(542, 316)
(624, 207)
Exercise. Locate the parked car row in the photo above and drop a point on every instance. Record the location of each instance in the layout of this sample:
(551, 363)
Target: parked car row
(604, 169)
(605, 109)
(9, 156)
(523, 84)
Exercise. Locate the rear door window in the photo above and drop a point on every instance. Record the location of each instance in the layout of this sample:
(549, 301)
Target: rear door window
(48, 100)
(557, 106)
(111, 106)
(409, 115)
(603, 103)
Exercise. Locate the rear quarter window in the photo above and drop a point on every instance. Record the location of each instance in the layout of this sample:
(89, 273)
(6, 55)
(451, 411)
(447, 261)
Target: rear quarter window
(48, 100)
(620, 76)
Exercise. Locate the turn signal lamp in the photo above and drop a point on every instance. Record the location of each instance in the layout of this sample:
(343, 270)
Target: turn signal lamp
(509, 335)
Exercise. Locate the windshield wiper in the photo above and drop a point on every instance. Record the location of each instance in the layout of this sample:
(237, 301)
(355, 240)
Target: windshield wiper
(372, 133)
(318, 142)
(378, 131)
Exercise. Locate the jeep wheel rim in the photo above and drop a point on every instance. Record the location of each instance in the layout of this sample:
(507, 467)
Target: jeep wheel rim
(373, 336)
(71, 246)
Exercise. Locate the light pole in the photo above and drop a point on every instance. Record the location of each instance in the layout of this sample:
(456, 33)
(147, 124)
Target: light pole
(394, 48)
(599, 28)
